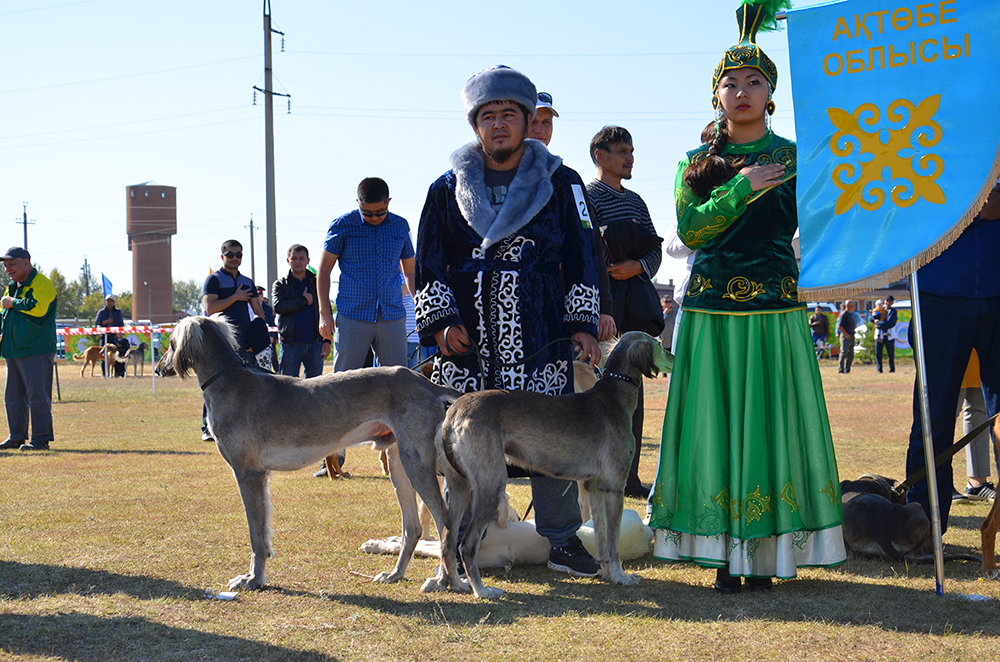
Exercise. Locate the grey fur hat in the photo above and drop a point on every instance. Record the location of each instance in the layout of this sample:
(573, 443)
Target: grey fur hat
(499, 83)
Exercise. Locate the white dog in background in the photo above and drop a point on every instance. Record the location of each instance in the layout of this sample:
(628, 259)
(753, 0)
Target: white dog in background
(518, 543)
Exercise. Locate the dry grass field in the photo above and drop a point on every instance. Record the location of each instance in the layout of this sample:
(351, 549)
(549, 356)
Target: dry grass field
(110, 542)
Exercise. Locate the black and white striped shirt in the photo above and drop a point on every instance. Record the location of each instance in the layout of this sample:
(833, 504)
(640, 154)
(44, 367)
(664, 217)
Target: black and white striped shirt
(613, 206)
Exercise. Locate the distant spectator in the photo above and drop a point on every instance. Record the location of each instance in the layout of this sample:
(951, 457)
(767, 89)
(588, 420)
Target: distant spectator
(669, 318)
(845, 328)
(885, 335)
(28, 343)
(297, 304)
(820, 325)
(110, 316)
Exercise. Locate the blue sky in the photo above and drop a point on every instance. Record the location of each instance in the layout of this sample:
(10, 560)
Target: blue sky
(102, 94)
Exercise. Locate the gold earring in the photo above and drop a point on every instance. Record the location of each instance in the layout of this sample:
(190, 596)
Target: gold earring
(770, 107)
(715, 102)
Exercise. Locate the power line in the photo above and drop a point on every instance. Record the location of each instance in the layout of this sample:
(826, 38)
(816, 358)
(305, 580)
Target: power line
(146, 73)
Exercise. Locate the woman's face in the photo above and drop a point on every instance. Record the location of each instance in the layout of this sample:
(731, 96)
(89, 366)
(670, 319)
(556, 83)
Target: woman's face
(743, 94)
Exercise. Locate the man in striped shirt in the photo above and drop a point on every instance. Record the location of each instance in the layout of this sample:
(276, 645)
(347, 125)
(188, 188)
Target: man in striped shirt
(612, 152)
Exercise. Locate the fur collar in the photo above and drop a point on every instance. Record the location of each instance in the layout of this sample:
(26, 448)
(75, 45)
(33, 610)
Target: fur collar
(529, 192)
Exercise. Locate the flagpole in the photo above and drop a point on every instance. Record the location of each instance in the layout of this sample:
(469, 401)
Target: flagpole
(925, 426)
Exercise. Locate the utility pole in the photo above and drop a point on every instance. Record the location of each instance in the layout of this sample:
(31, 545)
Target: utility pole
(253, 268)
(26, 222)
(272, 249)
(85, 269)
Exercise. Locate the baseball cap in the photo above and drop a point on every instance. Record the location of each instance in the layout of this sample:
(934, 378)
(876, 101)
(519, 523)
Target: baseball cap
(16, 251)
(545, 101)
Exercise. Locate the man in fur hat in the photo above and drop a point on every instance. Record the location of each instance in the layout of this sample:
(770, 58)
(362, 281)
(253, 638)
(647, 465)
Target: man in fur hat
(505, 265)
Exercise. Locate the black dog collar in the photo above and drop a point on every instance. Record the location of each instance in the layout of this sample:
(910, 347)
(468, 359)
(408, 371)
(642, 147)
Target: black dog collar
(211, 379)
(615, 375)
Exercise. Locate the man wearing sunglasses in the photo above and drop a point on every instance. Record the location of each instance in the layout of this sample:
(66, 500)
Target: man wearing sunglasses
(229, 292)
(371, 246)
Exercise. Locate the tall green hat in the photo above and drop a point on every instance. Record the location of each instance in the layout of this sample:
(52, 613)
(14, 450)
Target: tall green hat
(752, 16)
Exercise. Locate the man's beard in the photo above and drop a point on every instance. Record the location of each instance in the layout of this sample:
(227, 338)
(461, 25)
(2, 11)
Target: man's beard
(501, 155)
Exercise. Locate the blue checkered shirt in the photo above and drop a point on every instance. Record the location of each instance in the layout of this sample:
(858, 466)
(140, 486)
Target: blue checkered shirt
(369, 257)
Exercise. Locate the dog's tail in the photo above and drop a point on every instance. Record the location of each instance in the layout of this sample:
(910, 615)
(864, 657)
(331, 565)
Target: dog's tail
(77, 357)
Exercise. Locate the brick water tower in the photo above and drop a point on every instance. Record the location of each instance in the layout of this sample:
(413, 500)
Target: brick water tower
(151, 218)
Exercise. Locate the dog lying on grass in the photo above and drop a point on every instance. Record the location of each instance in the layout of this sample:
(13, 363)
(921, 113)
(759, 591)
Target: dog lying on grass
(297, 422)
(517, 543)
(92, 356)
(878, 522)
(582, 436)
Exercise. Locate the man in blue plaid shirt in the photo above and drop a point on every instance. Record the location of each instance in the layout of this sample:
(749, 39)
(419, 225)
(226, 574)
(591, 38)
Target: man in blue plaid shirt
(371, 246)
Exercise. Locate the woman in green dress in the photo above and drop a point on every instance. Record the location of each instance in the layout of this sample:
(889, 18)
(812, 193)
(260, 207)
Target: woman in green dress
(747, 481)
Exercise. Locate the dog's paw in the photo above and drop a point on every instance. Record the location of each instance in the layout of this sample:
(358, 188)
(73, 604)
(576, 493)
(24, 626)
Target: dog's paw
(388, 546)
(387, 577)
(433, 585)
(246, 582)
(993, 574)
(488, 593)
(618, 576)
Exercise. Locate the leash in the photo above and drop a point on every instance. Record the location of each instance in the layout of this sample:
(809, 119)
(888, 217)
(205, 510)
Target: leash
(945, 456)
(211, 379)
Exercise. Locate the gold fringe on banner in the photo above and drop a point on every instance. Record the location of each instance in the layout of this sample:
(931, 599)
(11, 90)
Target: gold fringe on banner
(905, 268)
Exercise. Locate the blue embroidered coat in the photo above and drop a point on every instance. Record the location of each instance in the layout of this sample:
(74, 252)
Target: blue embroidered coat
(516, 279)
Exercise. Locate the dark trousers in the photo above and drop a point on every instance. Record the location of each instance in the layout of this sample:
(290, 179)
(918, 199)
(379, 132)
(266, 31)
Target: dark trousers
(28, 396)
(890, 350)
(952, 327)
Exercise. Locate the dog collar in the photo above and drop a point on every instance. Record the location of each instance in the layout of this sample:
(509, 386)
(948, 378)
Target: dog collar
(211, 379)
(615, 375)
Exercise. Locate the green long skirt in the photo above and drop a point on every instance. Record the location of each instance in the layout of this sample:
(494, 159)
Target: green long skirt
(747, 474)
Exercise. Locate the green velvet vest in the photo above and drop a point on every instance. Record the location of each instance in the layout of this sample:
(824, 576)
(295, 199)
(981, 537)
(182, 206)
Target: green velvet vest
(750, 265)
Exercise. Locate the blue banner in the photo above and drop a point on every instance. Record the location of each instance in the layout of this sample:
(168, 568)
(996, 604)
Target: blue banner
(107, 285)
(898, 134)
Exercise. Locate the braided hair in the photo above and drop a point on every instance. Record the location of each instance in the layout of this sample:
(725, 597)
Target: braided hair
(705, 175)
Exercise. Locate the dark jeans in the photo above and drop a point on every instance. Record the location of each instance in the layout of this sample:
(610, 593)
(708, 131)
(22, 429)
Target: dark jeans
(952, 327)
(301, 354)
(890, 350)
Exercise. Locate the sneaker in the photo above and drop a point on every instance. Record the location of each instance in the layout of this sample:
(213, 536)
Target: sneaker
(573, 558)
(10, 444)
(984, 492)
(35, 446)
(958, 497)
(207, 436)
(322, 471)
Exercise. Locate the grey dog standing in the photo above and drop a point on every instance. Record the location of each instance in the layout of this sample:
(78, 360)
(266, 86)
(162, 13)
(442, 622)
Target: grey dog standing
(306, 420)
(582, 436)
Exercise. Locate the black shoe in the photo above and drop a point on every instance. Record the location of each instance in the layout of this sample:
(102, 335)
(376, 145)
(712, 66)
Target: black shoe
(958, 497)
(10, 444)
(322, 471)
(207, 436)
(637, 491)
(573, 558)
(758, 583)
(35, 446)
(983, 492)
(726, 583)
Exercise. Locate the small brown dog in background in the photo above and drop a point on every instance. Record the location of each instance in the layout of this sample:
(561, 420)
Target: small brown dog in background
(92, 356)
(988, 529)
